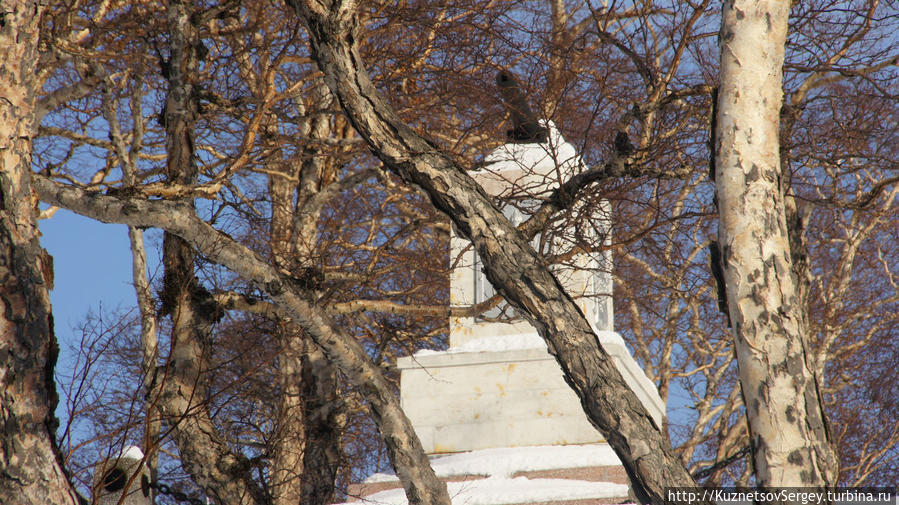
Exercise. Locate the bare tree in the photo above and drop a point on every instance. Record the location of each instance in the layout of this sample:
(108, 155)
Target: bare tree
(511, 264)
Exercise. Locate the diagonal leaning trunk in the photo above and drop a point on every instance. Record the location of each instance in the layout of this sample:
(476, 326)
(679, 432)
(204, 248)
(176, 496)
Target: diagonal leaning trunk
(341, 348)
(786, 419)
(511, 265)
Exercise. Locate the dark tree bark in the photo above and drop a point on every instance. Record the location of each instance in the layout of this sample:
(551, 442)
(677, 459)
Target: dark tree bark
(511, 265)
(324, 420)
(31, 469)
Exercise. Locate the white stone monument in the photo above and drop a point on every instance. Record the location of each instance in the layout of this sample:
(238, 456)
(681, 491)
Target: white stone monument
(493, 410)
(496, 385)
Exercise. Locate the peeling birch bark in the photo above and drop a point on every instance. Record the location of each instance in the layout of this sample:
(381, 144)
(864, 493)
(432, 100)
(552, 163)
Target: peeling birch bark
(223, 474)
(31, 469)
(788, 435)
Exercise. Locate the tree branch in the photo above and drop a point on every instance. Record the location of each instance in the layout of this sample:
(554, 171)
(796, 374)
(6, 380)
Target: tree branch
(404, 448)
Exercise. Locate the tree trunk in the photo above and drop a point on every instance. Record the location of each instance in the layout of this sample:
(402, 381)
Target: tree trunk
(288, 437)
(325, 421)
(205, 455)
(511, 265)
(307, 446)
(322, 406)
(786, 422)
(149, 352)
(149, 341)
(31, 469)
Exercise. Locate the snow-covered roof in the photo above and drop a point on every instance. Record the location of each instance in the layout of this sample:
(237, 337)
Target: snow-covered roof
(502, 486)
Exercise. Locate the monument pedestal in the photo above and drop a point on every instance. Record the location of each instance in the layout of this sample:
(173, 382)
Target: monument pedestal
(510, 396)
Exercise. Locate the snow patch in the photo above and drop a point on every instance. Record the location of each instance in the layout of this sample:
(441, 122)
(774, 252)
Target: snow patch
(500, 343)
(493, 343)
(610, 337)
(132, 452)
(427, 352)
(542, 159)
(500, 491)
(507, 461)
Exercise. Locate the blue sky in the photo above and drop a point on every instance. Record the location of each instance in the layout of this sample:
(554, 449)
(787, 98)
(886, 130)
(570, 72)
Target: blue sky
(92, 266)
(92, 273)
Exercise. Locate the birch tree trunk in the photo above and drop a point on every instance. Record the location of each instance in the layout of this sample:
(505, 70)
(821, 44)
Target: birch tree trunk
(31, 470)
(322, 407)
(288, 438)
(788, 433)
(149, 342)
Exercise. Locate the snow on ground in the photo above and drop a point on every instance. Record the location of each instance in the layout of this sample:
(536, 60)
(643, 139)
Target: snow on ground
(500, 487)
(507, 461)
(499, 491)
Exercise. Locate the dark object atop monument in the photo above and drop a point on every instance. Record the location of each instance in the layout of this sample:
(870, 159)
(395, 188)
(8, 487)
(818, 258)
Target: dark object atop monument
(525, 128)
